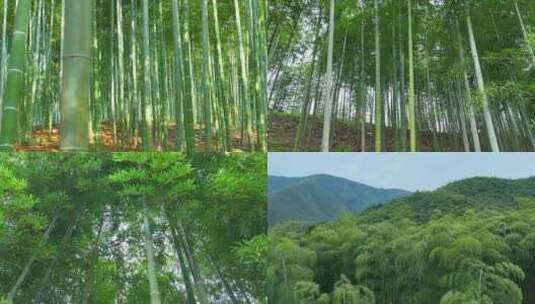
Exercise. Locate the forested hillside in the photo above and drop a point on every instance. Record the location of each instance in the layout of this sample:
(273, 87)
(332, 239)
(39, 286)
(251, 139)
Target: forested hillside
(402, 75)
(320, 197)
(472, 241)
(132, 228)
(133, 75)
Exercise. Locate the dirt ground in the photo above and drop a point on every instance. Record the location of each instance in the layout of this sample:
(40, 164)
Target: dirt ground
(282, 129)
(45, 141)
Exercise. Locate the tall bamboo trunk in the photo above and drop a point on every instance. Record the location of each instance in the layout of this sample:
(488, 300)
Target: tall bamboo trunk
(120, 66)
(481, 86)
(206, 87)
(188, 82)
(15, 78)
(41, 291)
(151, 261)
(179, 75)
(245, 79)
(36, 34)
(258, 15)
(186, 271)
(188, 250)
(3, 58)
(363, 94)
(462, 118)
(135, 95)
(468, 96)
(76, 76)
(412, 102)
(395, 87)
(13, 291)
(146, 105)
(327, 111)
(378, 93)
(403, 92)
(222, 81)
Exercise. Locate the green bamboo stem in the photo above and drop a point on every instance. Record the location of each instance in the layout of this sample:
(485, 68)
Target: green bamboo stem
(15, 78)
(77, 59)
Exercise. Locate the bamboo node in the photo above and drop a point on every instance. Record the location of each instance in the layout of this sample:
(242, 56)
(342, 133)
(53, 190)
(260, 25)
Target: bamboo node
(15, 70)
(10, 108)
(78, 55)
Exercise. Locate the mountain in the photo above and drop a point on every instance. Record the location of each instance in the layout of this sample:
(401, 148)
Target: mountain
(276, 183)
(478, 194)
(321, 197)
(493, 189)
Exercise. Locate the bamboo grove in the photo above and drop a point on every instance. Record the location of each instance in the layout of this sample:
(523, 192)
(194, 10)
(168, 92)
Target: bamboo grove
(391, 75)
(133, 75)
(472, 241)
(132, 228)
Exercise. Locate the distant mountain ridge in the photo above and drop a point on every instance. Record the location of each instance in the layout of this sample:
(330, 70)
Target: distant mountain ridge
(321, 197)
(477, 193)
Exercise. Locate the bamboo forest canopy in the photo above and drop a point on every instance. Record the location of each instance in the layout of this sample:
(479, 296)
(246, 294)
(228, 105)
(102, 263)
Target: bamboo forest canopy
(133, 75)
(132, 228)
(402, 75)
(472, 241)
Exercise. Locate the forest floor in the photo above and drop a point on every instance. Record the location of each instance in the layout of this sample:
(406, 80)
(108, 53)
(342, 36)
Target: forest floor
(45, 141)
(282, 129)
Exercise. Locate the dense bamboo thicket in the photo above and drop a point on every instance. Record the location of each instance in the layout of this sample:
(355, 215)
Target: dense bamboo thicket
(132, 228)
(133, 74)
(403, 75)
(472, 241)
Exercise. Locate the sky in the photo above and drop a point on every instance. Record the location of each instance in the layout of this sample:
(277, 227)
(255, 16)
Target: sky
(408, 171)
